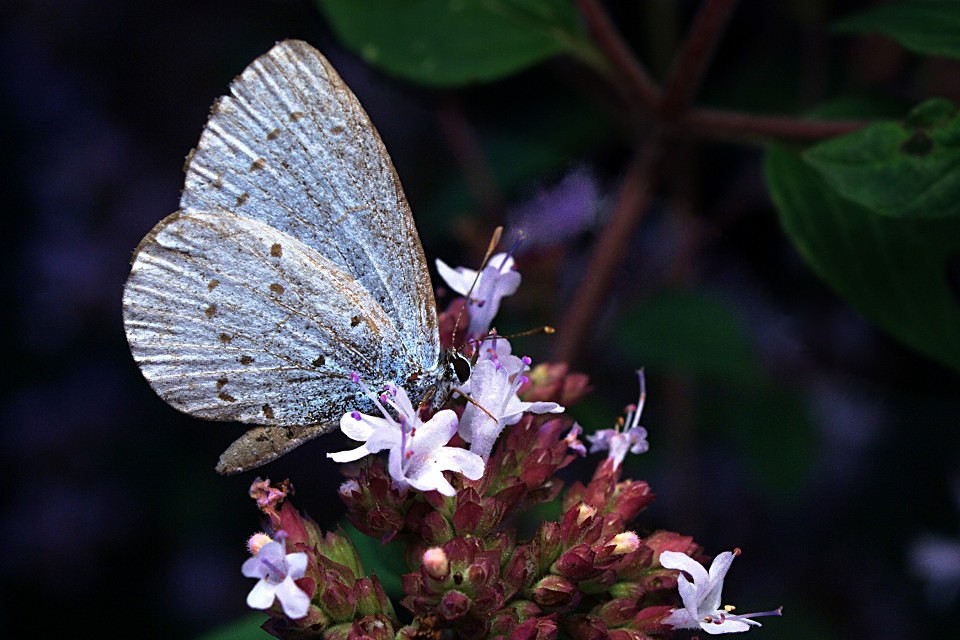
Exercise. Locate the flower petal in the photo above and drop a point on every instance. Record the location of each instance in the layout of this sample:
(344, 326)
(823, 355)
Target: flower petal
(727, 626)
(253, 568)
(262, 595)
(460, 280)
(681, 619)
(683, 562)
(293, 599)
(296, 564)
(350, 455)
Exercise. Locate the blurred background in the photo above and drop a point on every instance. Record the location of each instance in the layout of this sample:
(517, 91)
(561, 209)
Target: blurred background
(781, 421)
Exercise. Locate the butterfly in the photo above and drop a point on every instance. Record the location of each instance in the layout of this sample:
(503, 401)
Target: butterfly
(292, 262)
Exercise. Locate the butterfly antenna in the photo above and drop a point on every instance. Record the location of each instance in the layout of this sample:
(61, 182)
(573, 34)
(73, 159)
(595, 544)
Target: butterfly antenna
(476, 404)
(545, 330)
(494, 241)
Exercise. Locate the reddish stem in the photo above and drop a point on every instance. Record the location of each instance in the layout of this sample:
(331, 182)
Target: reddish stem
(694, 57)
(635, 75)
(726, 125)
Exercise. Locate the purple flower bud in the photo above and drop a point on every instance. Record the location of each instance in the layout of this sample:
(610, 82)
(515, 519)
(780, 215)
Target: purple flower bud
(453, 605)
(555, 591)
(576, 563)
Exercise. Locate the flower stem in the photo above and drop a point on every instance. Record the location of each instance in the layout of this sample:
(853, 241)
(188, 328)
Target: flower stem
(638, 81)
(694, 57)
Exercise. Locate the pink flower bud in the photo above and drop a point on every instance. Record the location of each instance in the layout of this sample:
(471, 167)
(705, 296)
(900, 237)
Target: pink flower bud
(436, 563)
(257, 541)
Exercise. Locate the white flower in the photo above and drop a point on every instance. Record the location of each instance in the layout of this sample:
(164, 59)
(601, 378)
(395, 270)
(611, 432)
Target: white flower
(277, 571)
(498, 279)
(632, 438)
(495, 404)
(701, 598)
(418, 452)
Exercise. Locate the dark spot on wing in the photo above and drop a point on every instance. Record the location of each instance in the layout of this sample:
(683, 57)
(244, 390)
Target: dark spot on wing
(319, 361)
(258, 164)
(336, 129)
(273, 134)
(218, 183)
(213, 284)
(355, 320)
(211, 310)
(243, 197)
(296, 115)
(245, 359)
(221, 383)
(226, 397)
(276, 250)
(267, 411)
(225, 338)
(277, 288)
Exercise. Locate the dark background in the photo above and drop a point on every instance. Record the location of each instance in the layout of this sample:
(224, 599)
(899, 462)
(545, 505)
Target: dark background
(112, 517)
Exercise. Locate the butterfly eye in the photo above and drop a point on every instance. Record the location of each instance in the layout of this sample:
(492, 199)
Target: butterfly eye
(461, 367)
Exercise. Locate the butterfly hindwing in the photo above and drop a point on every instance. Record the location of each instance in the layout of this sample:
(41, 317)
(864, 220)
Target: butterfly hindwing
(230, 319)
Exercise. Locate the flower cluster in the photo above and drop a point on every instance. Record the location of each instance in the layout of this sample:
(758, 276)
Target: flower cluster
(452, 491)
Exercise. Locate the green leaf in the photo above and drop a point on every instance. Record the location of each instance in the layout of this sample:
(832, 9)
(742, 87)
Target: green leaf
(386, 562)
(771, 427)
(246, 628)
(903, 170)
(692, 332)
(930, 27)
(894, 271)
(455, 42)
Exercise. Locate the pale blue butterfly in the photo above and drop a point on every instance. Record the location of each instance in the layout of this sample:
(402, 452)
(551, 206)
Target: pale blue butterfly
(292, 262)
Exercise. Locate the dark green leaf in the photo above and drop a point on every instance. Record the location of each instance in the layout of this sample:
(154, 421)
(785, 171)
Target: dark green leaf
(897, 272)
(458, 41)
(929, 27)
(691, 332)
(771, 427)
(903, 170)
(386, 562)
(246, 628)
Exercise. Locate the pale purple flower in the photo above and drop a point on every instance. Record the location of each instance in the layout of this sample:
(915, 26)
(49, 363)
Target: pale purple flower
(497, 279)
(276, 570)
(498, 349)
(560, 212)
(495, 404)
(573, 440)
(628, 435)
(418, 452)
(701, 598)
(936, 559)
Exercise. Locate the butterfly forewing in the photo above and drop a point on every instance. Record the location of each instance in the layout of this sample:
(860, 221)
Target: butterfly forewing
(292, 147)
(293, 261)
